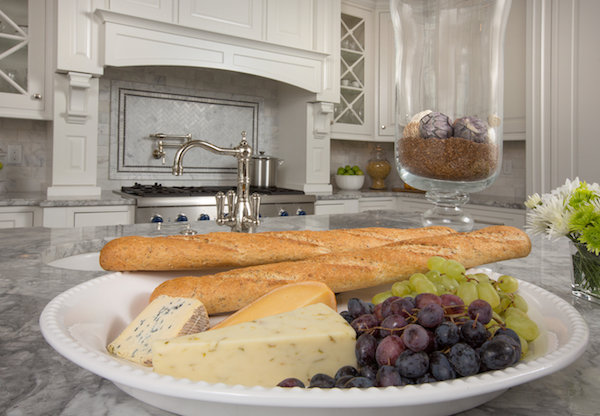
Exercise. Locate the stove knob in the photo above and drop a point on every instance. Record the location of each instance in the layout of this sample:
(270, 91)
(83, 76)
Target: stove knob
(203, 217)
(283, 213)
(156, 218)
(300, 212)
(181, 217)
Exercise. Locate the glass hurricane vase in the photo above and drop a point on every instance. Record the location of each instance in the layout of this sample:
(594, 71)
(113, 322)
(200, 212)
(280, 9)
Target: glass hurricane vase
(449, 100)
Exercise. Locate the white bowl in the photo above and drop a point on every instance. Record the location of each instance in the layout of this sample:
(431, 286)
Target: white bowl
(350, 182)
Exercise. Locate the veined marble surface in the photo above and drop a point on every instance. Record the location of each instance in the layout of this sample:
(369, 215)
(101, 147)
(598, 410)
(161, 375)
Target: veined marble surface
(42, 200)
(36, 380)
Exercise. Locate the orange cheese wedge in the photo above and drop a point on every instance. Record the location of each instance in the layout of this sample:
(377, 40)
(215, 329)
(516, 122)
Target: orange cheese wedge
(283, 299)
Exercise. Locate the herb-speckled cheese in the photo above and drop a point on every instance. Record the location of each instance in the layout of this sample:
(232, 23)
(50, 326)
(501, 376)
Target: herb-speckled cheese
(164, 317)
(300, 343)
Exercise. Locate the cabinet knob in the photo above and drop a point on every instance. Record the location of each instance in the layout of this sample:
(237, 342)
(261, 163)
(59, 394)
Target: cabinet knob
(383, 127)
(37, 96)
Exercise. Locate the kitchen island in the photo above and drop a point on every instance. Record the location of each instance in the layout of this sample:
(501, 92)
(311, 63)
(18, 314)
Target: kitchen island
(37, 380)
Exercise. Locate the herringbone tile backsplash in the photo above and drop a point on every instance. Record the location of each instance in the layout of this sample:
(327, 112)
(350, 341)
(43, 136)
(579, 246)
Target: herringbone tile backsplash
(214, 106)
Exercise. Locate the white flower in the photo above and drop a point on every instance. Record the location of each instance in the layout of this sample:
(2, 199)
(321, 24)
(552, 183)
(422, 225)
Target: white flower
(594, 187)
(533, 201)
(550, 213)
(567, 189)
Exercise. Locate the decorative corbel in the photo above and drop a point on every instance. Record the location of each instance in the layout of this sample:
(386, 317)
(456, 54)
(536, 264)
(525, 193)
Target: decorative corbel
(323, 113)
(79, 85)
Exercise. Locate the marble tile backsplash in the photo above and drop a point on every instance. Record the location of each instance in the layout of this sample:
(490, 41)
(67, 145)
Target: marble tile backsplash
(193, 82)
(508, 184)
(32, 136)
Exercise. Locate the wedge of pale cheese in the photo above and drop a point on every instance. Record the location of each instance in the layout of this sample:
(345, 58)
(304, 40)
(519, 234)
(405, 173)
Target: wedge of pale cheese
(164, 317)
(300, 343)
(282, 299)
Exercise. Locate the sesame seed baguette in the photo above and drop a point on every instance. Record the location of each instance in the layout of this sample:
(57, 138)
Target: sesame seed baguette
(231, 290)
(228, 249)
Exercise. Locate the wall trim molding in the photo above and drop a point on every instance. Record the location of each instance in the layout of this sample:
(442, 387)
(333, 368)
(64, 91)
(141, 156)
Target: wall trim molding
(552, 94)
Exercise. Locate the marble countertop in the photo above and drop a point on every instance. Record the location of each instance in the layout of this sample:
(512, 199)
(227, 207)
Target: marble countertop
(37, 380)
(42, 200)
(110, 198)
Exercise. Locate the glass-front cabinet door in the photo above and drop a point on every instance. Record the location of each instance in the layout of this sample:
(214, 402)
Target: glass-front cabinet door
(352, 106)
(353, 114)
(22, 58)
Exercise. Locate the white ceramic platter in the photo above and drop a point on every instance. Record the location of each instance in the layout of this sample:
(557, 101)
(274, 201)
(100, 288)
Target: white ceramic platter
(80, 323)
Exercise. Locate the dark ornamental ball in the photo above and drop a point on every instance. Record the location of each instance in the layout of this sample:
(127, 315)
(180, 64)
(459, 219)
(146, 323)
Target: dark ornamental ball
(435, 125)
(470, 128)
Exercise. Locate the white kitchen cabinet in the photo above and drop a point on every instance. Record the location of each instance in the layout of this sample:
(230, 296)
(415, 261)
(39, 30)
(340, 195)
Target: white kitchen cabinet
(25, 89)
(385, 110)
(481, 214)
(375, 204)
(150, 9)
(282, 22)
(57, 217)
(290, 23)
(242, 18)
(353, 115)
(20, 216)
(338, 206)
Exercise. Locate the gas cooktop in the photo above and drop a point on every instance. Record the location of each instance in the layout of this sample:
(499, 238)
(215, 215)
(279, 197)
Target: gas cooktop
(156, 203)
(157, 190)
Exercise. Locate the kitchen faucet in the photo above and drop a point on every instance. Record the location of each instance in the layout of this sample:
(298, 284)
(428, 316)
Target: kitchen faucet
(243, 209)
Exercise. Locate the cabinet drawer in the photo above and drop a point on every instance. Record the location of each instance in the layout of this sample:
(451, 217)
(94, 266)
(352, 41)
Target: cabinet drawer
(375, 204)
(15, 217)
(89, 219)
(348, 206)
(56, 217)
(497, 217)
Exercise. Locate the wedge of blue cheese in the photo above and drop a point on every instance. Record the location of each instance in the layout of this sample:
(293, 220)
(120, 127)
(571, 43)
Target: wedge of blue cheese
(164, 317)
(300, 343)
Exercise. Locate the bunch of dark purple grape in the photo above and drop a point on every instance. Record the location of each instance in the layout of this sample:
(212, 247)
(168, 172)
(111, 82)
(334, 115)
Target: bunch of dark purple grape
(423, 339)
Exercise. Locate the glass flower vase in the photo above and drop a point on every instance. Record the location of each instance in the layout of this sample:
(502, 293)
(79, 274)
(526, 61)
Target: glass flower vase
(585, 273)
(449, 100)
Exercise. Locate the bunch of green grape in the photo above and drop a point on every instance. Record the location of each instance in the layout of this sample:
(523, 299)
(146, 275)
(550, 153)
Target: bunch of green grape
(450, 277)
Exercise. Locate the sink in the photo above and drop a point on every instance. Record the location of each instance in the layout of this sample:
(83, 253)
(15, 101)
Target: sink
(84, 261)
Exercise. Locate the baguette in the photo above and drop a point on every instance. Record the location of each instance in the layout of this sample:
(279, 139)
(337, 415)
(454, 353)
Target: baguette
(228, 250)
(231, 290)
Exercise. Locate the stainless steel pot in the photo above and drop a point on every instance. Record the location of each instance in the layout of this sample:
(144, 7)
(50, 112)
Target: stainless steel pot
(264, 170)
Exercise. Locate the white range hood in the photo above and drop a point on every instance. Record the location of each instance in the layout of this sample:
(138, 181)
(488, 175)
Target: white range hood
(130, 40)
